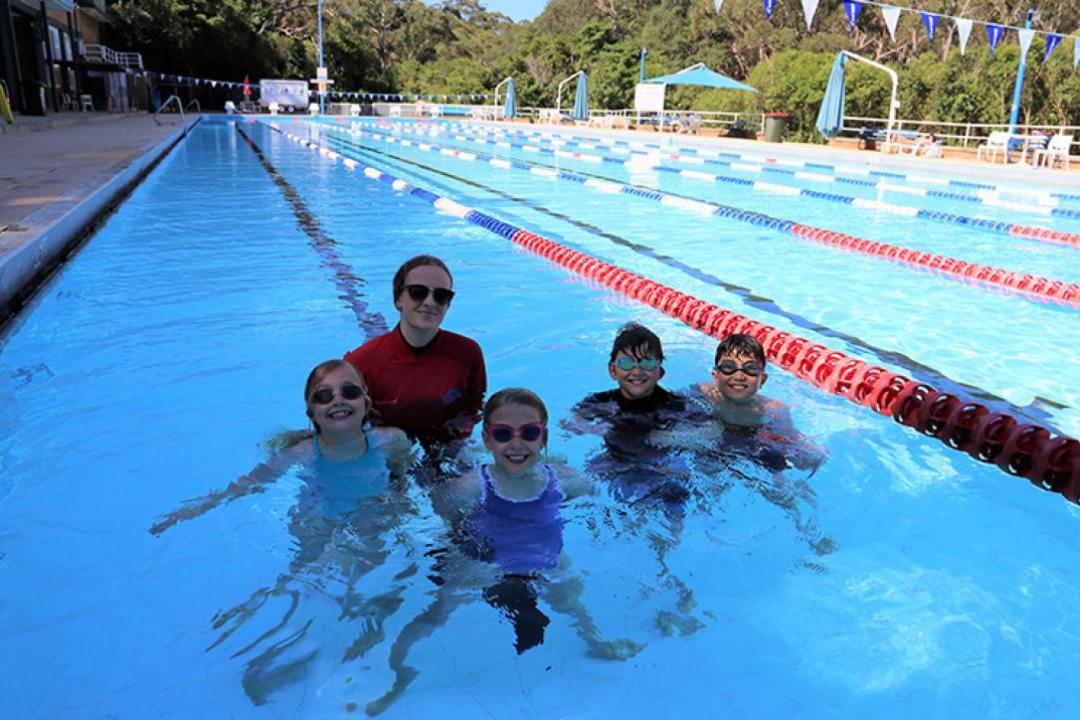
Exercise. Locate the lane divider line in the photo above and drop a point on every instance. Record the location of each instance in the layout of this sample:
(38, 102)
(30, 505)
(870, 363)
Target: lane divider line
(985, 197)
(1039, 195)
(1035, 286)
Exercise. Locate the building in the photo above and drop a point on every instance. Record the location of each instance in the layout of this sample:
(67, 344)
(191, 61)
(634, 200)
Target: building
(52, 58)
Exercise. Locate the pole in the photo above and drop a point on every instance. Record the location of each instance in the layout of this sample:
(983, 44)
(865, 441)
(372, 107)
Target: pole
(1014, 111)
(322, 93)
(641, 78)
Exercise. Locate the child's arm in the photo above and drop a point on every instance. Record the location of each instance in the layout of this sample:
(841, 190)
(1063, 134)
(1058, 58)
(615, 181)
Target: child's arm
(452, 499)
(263, 474)
(586, 418)
(398, 448)
(571, 483)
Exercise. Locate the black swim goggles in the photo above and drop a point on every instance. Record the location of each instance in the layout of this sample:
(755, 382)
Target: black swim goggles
(730, 367)
(349, 391)
(419, 293)
(504, 433)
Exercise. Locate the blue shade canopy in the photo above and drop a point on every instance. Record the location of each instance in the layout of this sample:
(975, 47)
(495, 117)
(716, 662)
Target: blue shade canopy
(831, 115)
(701, 75)
(510, 106)
(581, 99)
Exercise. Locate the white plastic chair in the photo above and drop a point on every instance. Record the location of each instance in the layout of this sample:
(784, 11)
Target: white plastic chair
(86, 103)
(313, 108)
(1056, 149)
(354, 110)
(998, 141)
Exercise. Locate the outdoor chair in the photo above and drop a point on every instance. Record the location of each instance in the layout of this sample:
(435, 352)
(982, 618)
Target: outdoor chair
(998, 141)
(1056, 150)
(86, 103)
(354, 110)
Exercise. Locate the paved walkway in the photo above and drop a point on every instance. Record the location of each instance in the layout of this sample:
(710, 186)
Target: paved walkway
(55, 180)
(65, 163)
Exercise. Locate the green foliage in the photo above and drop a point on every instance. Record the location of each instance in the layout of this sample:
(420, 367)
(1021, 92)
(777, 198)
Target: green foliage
(459, 46)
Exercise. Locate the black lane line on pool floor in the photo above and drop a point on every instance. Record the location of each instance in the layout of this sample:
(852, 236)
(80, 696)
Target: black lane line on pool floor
(345, 280)
(940, 381)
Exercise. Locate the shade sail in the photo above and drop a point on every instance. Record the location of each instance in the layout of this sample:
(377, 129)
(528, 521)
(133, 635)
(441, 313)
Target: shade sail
(510, 106)
(830, 117)
(581, 99)
(701, 75)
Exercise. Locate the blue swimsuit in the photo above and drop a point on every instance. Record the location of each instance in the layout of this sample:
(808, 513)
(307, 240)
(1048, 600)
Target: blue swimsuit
(522, 537)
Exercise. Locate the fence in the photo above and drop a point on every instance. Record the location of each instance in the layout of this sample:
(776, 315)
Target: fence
(961, 135)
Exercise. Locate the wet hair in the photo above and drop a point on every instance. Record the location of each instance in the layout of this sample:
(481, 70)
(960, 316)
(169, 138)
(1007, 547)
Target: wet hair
(412, 264)
(514, 396)
(739, 344)
(320, 371)
(632, 337)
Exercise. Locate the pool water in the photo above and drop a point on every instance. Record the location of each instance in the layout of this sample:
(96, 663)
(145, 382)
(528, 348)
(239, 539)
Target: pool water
(895, 578)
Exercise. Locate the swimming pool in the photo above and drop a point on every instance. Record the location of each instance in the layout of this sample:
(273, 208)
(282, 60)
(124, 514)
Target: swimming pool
(153, 368)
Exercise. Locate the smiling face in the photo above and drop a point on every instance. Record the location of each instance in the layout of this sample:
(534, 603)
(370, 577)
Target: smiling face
(739, 386)
(425, 316)
(637, 382)
(516, 455)
(346, 403)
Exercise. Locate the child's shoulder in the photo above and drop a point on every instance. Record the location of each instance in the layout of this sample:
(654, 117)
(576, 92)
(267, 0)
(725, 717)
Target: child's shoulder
(570, 483)
(388, 438)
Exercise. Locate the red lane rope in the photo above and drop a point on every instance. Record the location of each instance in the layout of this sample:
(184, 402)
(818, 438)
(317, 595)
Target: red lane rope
(1028, 450)
(1039, 233)
(1059, 290)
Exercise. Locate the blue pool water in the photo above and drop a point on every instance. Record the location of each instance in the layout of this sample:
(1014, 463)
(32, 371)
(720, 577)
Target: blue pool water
(902, 579)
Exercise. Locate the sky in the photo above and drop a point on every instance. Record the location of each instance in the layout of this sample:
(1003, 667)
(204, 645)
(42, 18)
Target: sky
(517, 9)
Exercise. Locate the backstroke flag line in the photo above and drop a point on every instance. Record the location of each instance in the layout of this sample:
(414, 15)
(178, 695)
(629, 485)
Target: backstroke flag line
(809, 7)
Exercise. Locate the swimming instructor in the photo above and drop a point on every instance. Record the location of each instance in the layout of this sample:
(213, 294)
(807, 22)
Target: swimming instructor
(427, 381)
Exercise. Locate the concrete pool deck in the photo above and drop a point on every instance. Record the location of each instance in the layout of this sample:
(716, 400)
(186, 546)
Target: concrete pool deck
(57, 180)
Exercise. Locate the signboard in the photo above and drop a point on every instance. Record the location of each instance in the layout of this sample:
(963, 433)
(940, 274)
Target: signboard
(320, 75)
(286, 93)
(649, 97)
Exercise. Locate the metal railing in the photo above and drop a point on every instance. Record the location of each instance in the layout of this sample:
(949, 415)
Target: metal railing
(170, 100)
(962, 135)
(108, 56)
(195, 102)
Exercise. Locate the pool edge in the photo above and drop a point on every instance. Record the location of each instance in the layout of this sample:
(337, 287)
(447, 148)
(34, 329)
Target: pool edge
(26, 269)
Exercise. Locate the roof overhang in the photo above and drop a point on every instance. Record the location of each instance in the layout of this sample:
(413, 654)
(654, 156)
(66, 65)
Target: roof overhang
(96, 9)
(34, 6)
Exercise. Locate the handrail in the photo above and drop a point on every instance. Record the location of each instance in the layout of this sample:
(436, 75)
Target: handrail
(558, 96)
(195, 102)
(894, 104)
(166, 104)
(505, 80)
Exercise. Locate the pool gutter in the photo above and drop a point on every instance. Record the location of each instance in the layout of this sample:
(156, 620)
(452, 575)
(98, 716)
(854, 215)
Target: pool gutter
(53, 233)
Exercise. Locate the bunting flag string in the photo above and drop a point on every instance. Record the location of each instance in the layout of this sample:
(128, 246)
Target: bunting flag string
(852, 8)
(930, 20)
(719, 4)
(963, 29)
(1076, 52)
(770, 5)
(1052, 41)
(994, 33)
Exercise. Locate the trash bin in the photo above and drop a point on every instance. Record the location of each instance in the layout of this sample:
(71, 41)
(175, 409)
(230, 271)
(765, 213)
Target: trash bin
(775, 125)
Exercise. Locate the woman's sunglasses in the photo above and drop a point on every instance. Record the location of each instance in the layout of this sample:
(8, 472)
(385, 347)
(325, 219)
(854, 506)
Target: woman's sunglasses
(730, 367)
(324, 396)
(504, 433)
(627, 364)
(419, 293)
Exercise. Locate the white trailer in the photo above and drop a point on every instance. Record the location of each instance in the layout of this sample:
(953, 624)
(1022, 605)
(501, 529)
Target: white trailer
(289, 95)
